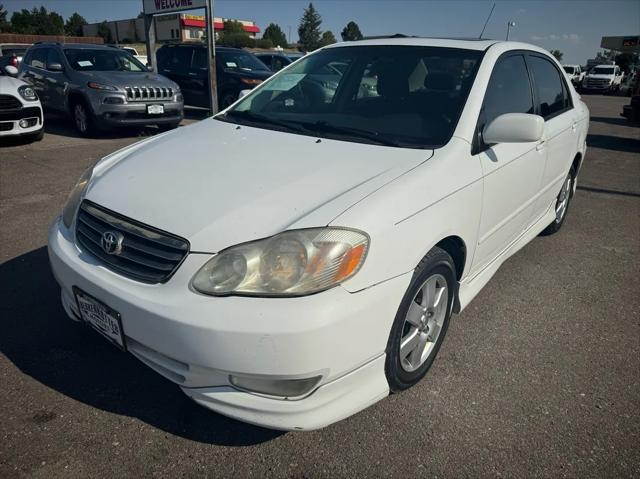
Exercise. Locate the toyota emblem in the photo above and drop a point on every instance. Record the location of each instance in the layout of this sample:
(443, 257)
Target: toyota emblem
(111, 242)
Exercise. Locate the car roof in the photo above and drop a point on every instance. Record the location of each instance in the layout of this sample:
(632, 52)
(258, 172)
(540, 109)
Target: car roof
(77, 46)
(202, 45)
(462, 43)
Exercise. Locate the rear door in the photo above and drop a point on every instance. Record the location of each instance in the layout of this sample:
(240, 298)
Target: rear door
(198, 84)
(34, 71)
(56, 81)
(554, 104)
(512, 172)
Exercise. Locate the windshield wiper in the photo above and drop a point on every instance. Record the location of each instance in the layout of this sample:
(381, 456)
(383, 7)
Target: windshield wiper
(258, 118)
(350, 132)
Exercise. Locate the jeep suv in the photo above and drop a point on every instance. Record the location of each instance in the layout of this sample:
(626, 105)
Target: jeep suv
(101, 87)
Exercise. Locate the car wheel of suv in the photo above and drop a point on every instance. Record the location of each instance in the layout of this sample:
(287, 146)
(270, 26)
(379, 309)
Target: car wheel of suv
(83, 118)
(562, 204)
(227, 99)
(421, 321)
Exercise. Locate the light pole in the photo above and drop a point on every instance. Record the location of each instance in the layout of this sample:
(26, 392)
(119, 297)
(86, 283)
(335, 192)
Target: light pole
(510, 24)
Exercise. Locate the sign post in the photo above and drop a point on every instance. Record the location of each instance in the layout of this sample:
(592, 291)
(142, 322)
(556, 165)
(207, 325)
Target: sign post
(155, 7)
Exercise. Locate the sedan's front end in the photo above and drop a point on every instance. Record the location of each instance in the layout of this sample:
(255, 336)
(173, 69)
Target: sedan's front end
(20, 109)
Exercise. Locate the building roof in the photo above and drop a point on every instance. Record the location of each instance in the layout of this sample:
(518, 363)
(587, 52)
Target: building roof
(193, 22)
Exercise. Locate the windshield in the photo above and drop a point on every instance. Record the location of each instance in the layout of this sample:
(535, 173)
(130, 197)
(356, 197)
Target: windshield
(569, 70)
(241, 60)
(393, 95)
(103, 60)
(602, 71)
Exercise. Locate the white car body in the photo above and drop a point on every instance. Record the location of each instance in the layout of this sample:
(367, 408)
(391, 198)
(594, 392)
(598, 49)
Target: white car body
(141, 58)
(574, 73)
(603, 82)
(14, 108)
(210, 184)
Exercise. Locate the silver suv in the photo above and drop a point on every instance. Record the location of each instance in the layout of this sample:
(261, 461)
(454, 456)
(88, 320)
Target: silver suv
(101, 86)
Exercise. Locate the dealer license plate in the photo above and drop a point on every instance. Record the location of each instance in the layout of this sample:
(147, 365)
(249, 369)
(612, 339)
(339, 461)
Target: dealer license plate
(101, 317)
(155, 109)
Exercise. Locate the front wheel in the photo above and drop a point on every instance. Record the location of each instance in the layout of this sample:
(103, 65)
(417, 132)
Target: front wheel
(562, 204)
(83, 119)
(421, 321)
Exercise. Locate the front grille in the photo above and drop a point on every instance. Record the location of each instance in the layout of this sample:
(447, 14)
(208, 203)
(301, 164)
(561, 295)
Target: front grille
(597, 82)
(6, 126)
(144, 93)
(8, 102)
(147, 254)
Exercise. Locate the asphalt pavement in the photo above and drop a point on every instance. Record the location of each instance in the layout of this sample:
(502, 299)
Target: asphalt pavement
(538, 377)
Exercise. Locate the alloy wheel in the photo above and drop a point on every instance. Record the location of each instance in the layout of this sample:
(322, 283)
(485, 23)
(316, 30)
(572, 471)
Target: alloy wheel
(80, 116)
(563, 199)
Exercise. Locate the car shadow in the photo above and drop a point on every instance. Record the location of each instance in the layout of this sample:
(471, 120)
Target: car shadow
(61, 125)
(617, 143)
(611, 121)
(68, 357)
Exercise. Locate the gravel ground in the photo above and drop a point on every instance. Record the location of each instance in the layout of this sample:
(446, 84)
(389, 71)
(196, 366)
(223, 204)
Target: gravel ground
(539, 376)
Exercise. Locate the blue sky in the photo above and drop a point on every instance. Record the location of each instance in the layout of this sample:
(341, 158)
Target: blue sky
(572, 26)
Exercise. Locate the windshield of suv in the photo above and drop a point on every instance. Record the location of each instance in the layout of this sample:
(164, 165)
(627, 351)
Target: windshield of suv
(405, 96)
(602, 71)
(569, 70)
(102, 60)
(241, 60)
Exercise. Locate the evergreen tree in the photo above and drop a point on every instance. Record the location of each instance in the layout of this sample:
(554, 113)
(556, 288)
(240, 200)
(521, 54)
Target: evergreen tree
(351, 32)
(309, 29)
(274, 33)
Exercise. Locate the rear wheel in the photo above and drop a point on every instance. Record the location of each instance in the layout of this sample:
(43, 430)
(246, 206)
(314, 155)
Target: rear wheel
(562, 204)
(421, 321)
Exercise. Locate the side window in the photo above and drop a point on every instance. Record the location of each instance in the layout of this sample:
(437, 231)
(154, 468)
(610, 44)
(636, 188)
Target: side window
(53, 57)
(509, 90)
(552, 95)
(27, 57)
(266, 59)
(39, 58)
(199, 61)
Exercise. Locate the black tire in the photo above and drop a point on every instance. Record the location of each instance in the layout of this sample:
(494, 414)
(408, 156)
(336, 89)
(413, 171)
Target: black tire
(437, 263)
(227, 99)
(80, 111)
(168, 126)
(559, 221)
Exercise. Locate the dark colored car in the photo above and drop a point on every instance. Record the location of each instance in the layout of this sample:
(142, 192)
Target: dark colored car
(632, 111)
(275, 61)
(186, 64)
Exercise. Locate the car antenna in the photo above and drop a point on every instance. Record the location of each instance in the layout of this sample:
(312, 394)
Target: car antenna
(488, 18)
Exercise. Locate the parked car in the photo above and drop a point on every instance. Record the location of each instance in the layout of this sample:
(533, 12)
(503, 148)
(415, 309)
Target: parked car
(141, 58)
(20, 108)
(186, 64)
(15, 51)
(575, 74)
(293, 56)
(626, 87)
(275, 61)
(632, 111)
(605, 78)
(305, 257)
(101, 87)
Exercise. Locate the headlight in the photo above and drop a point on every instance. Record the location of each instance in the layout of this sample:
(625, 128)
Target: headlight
(27, 93)
(75, 197)
(100, 86)
(293, 263)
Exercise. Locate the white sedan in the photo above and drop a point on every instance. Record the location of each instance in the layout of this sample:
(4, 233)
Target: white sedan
(294, 259)
(20, 108)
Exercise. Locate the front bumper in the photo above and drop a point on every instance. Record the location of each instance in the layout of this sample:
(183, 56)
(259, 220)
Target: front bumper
(9, 121)
(135, 114)
(197, 341)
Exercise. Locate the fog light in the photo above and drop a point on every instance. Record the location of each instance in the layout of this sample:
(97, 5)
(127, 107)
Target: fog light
(114, 100)
(24, 123)
(275, 387)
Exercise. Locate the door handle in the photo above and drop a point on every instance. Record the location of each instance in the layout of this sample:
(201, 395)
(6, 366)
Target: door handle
(191, 74)
(574, 126)
(540, 146)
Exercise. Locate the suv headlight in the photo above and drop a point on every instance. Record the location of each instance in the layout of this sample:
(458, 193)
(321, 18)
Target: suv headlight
(293, 263)
(76, 195)
(28, 93)
(100, 86)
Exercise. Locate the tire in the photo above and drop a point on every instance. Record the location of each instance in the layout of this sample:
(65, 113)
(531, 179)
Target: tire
(227, 99)
(168, 126)
(565, 195)
(83, 119)
(420, 315)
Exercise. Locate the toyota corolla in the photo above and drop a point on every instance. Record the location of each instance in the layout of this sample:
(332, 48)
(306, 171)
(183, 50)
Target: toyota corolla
(295, 258)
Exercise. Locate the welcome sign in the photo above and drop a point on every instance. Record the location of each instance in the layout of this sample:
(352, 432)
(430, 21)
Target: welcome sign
(166, 6)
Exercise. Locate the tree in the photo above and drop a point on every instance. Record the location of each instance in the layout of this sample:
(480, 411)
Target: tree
(625, 60)
(37, 22)
(309, 29)
(232, 26)
(327, 38)
(274, 33)
(5, 26)
(558, 54)
(74, 24)
(351, 32)
(104, 32)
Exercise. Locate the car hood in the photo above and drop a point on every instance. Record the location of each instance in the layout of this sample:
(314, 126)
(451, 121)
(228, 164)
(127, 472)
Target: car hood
(124, 79)
(9, 85)
(217, 184)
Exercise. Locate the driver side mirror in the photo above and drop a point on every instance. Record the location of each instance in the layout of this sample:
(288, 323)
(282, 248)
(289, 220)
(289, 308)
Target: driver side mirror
(55, 67)
(514, 128)
(11, 70)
